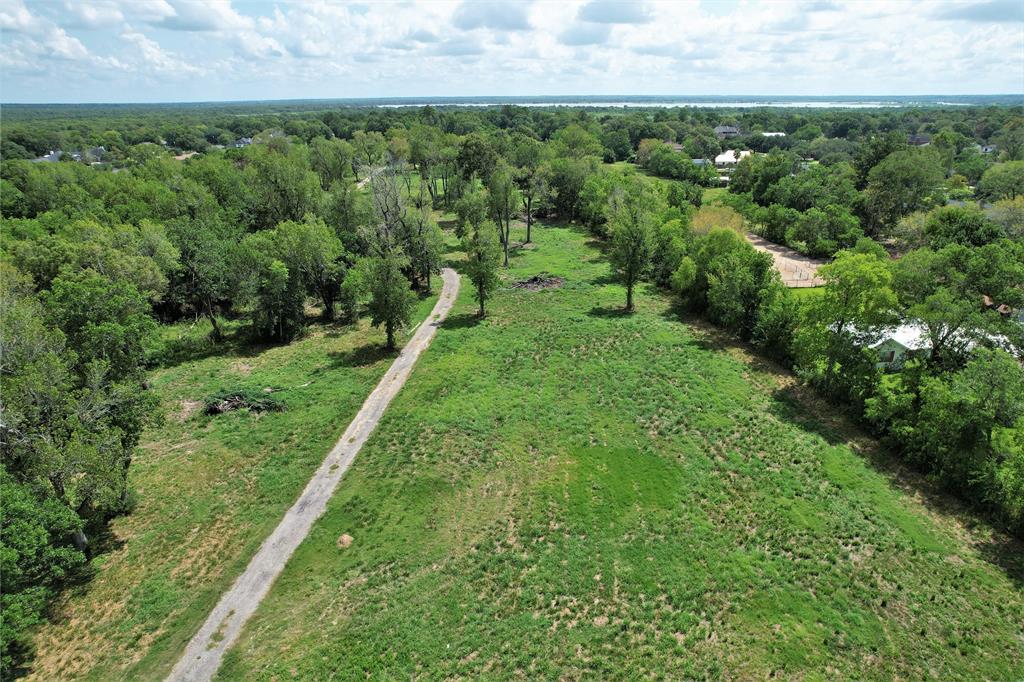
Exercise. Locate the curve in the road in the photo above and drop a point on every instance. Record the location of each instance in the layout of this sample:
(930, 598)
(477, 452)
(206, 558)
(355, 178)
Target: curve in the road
(204, 652)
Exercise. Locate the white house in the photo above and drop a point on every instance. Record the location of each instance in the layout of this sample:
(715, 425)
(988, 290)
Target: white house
(731, 157)
(897, 345)
(767, 134)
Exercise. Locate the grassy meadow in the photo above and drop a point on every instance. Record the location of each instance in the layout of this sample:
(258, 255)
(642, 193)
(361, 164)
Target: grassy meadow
(563, 491)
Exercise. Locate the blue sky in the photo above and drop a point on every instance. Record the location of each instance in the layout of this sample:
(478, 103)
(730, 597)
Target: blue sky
(182, 50)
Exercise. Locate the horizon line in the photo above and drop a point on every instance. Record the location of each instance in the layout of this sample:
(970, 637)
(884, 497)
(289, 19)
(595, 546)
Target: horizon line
(424, 98)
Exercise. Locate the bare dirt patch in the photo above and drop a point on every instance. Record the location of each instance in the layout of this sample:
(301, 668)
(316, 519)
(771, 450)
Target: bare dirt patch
(186, 408)
(538, 282)
(796, 269)
(345, 541)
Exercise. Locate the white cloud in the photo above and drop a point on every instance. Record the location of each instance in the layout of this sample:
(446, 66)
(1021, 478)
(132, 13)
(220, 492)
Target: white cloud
(91, 15)
(158, 60)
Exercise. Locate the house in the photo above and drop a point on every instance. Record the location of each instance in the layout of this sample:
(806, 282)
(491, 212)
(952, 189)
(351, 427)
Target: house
(988, 149)
(899, 344)
(95, 153)
(726, 132)
(676, 147)
(701, 162)
(919, 140)
(52, 157)
(1004, 310)
(766, 134)
(242, 142)
(731, 157)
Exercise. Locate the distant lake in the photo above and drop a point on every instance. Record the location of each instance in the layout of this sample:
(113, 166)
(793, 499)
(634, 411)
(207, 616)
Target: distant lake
(714, 102)
(799, 104)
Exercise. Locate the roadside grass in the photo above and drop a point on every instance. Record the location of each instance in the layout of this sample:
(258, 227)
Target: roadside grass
(208, 490)
(563, 491)
(807, 293)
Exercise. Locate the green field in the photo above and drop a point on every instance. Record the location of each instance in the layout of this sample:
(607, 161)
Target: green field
(562, 491)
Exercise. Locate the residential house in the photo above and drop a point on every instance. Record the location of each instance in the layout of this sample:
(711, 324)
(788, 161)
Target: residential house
(242, 142)
(919, 140)
(52, 157)
(899, 344)
(731, 157)
(726, 132)
(767, 134)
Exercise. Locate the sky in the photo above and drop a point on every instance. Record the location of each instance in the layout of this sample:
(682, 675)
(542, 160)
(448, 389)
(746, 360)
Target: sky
(183, 50)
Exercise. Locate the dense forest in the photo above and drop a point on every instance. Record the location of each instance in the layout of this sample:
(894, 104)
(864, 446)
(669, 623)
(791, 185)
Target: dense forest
(156, 215)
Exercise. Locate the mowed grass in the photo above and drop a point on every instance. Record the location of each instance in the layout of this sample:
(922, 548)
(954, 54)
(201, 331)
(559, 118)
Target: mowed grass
(561, 491)
(209, 490)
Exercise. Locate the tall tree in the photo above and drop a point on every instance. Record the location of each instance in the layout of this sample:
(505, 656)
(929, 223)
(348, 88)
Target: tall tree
(631, 220)
(503, 198)
(482, 255)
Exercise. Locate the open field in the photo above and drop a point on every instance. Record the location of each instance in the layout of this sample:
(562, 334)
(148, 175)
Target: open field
(209, 490)
(562, 491)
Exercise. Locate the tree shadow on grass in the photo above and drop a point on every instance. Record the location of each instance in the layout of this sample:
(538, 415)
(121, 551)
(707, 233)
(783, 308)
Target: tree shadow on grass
(605, 279)
(363, 356)
(461, 321)
(610, 312)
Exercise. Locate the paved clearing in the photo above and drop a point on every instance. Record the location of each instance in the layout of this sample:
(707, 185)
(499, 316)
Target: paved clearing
(203, 655)
(796, 269)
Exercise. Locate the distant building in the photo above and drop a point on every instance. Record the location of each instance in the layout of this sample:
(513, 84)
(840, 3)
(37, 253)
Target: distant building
(701, 162)
(726, 132)
(766, 134)
(899, 344)
(96, 153)
(919, 140)
(52, 157)
(676, 147)
(731, 157)
(242, 142)
(988, 149)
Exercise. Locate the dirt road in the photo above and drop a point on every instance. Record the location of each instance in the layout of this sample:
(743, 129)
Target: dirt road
(204, 652)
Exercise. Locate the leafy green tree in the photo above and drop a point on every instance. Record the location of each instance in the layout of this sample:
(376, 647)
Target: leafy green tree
(330, 159)
(476, 157)
(873, 151)
(959, 225)
(311, 249)
(670, 243)
(207, 252)
(1002, 181)
(470, 211)
(425, 245)
(369, 149)
(900, 184)
(104, 320)
(36, 560)
(822, 232)
(858, 299)
(503, 198)
(631, 218)
(283, 188)
(483, 253)
(528, 157)
(391, 300)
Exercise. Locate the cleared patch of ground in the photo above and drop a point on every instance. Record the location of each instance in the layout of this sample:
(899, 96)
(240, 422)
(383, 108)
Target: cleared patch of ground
(796, 269)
